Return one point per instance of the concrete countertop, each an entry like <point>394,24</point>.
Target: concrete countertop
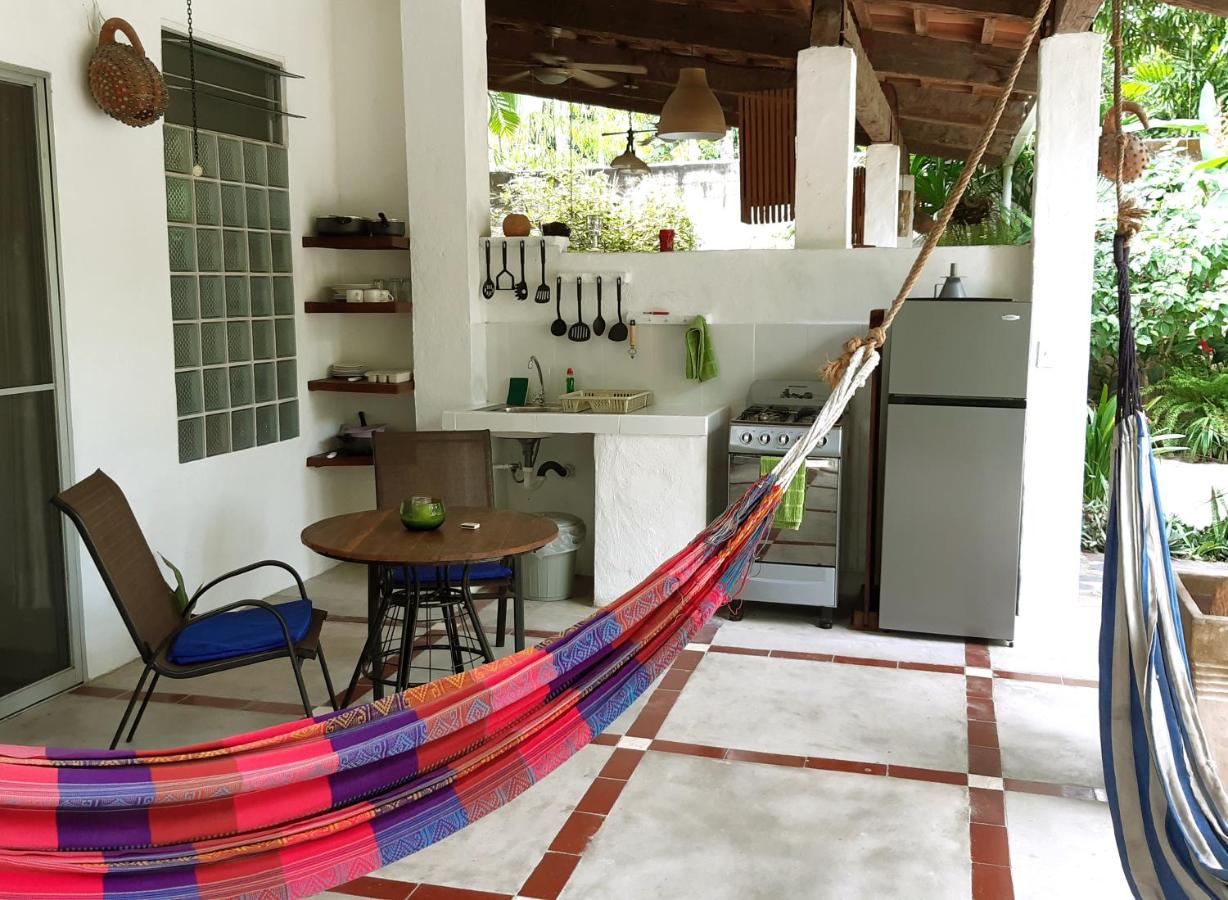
<point>676,419</point>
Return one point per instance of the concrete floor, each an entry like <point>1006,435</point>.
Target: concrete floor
<point>779,761</point>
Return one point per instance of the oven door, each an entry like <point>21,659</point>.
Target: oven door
<point>815,543</point>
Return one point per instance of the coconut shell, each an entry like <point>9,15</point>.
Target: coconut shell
<point>516,225</point>
<point>125,84</point>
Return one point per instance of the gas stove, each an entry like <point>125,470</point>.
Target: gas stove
<point>781,412</point>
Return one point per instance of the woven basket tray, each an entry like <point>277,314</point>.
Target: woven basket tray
<point>605,401</point>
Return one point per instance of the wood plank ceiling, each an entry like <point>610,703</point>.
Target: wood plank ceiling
<point>938,64</point>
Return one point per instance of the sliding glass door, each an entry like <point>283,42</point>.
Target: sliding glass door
<point>37,623</point>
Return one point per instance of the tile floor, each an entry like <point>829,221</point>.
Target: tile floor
<point>774,760</point>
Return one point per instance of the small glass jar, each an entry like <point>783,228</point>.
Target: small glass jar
<point>422,513</point>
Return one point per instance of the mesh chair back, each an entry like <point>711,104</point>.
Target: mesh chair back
<point>114,539</point>
<point>454,466</point>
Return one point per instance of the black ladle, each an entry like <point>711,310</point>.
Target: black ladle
<point>599,322</point>
<point>511,279</point>
<point>558,327</point>
<point>618,331</point>
<point>488,286</point>
<point>522,286</point>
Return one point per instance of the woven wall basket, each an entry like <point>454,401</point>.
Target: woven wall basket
<point>1136,155</point>
<point>126,85</point>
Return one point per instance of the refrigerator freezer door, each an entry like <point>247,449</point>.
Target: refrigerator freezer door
<point>951,505</point>
<point>960,348</point>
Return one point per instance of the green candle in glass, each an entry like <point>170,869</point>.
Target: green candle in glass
<point>422,513</point>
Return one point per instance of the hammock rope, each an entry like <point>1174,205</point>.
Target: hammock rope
<point>298,808</point>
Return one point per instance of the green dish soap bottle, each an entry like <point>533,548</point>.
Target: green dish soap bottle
<point>571,380</point>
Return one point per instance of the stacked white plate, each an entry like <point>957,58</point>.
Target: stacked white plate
<point>348,370</point>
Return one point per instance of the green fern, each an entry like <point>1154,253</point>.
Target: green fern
<point>1196,407</point>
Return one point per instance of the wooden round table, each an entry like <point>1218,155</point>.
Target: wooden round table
<point>377,539</point>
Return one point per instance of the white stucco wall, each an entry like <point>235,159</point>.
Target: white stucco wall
<point>1186,488</point>
<point>218,513</point>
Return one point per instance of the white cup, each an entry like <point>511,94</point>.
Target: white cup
<point>354,295</point>
<point>377,295</point>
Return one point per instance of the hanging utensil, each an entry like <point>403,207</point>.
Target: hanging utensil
<point>522,287</point>
<point>488,286</point>
<point>558,327</point>
<point>599,322</point>
<point>543,289</point>
<point>618,331</point>
<point>511,279</point>
<point>579,332</point>
<point>631,348</point>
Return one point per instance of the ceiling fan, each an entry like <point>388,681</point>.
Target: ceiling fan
<point>555,68</point>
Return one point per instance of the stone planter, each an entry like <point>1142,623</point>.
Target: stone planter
<point>1206,641</point>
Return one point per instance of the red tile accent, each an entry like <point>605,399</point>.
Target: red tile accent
<point>982,734</point>
<point>739,651</point>
<point>861,661</point>
<point>987,807</point>
<point>551,874</point>
<point>170,697</point>
<point>771,759</point>
<point>98,690</point>
<point>688,659</point>
<point>845,765</point>
<point>1080,682</point>
<point>985,761</point>
<point>976,656</point>
<point>216,702</point>
<point>937,775</point>
<point>1027,676</point>
<point>605,739</point>
<point>989,844</point>
<point>808,657</point>
<point>621,764</point>
<point>377,888</point>
<point>347,620</point>
<point>675,679</point>
<point>992,882</point>
<point>933,667</point>
<point>1032,787</point>
<point>600,796</point>
<point>270,706</point>
<point>444,892</point>
<point>1078,792</point>
<point>649,721</point>
<point>688,749</point>
<point>980,709</point>
<point>576,832</point>
<point>979,687</point>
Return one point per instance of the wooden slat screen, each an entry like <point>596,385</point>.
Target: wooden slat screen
<point>767,160</point>
<point>859,206</point>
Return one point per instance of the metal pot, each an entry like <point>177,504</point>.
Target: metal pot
<point>358,439</point>
<point>385,225</point>
<point>334,225</point>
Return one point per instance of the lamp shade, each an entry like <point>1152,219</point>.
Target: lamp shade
<point>692,111</point>
<point>627,161</point>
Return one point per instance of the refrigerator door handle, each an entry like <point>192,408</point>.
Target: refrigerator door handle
<point>1010,318</point>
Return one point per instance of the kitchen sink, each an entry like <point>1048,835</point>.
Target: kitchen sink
<point>523,409</point>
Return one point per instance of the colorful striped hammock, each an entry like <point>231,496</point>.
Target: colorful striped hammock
<point>298,808</point>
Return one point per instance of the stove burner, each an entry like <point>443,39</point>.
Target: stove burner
<point>778,415</point>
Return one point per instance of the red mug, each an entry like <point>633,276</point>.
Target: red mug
<point>666,238</point>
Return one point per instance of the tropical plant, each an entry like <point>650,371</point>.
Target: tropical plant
<point>1194,405</point>
<point>997,230</point>
<point>1095,525</point>
<point>1209,543</point>
<point>610,214</point>
<point>1098,447</point>
<point>504,116</point>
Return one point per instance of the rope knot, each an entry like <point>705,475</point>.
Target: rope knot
<point>833,370</point>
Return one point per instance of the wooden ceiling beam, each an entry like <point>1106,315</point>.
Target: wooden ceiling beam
<point>945,151</point>
<point>666,22</point>
<point>647,100</point>
<point>933,59</point>
<point>1009,9</point>
<point>874,112</point>
<point>952,108</point>
<point>514,45</point>
<point>961,137</point>
<point>1075,15</point>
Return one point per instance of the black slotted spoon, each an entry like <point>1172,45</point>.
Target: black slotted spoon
<point>522,286</point>
<point>558,327</point>
<point>543,289</point>
<point>579,332</point>
<point>488,286</point>
<point>599,322</point>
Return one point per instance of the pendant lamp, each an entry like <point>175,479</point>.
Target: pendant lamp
<point>627,161</point>
<point>692,111</point>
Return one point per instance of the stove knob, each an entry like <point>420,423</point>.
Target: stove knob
<point>765,439</point>
<point>822,442</point>
<point>783,439</point>
<point>745,438</point>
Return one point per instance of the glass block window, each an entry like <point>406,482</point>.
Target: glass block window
<point>232,293</point>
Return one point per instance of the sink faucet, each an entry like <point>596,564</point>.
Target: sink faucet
<point>538,399</point>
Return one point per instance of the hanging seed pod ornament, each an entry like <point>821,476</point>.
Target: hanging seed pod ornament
<point>126,85</point>
<point>1136,156</point>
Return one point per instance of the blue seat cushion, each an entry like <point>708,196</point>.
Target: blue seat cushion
<point>240,633</point>
<point>483,571</point>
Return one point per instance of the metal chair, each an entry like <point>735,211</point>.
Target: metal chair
<point>114,539</point>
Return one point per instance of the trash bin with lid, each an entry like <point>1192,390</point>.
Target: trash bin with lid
<point>547,573</point>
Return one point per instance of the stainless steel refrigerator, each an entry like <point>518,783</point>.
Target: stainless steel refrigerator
<point>956,386</point>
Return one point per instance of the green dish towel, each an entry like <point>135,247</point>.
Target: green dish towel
<point>700,356</point>
<point>793,503</point>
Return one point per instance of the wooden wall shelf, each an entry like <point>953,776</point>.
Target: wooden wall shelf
<point>322,461</point>
<point>360,387</point>
<point>357,242</point>
<point>322,306</point>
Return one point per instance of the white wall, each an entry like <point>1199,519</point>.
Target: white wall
<point>775,314</point>
<point>218,513</point>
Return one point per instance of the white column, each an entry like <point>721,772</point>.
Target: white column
<point>444,51</point>
<point>826,119</point>
<point>1064,216</point>
<point>882,195</point>
<point>908,195</point>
